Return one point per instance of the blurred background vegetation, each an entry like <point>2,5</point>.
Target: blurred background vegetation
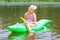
<point>12,10</point>
<point>10,13</point>
<point>29,0</point>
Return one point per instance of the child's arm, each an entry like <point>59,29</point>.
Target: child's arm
<point>25,18</point>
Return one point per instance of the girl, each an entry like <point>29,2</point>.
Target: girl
<point>30,17</point>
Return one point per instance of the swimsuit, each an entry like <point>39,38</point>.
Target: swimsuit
<point>30,18</point>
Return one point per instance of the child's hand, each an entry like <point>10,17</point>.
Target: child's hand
<point>26,22</point>
<point>32,24</point>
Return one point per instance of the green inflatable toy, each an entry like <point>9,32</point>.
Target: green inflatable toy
<point>20,27</point>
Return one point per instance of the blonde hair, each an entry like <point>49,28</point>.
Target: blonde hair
<point>33,6</point>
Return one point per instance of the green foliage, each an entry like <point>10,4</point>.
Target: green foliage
<point>29,0</point>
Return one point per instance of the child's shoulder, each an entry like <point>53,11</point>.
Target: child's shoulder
<point>34,13</point>
<point>26,13</point>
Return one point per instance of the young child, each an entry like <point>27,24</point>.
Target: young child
<point>30,17</point>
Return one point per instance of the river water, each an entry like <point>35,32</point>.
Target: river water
<point>11,13</point>
<point>45,35</point>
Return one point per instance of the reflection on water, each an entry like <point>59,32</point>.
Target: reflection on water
<point>45,35</point>
<point>17,36</point>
